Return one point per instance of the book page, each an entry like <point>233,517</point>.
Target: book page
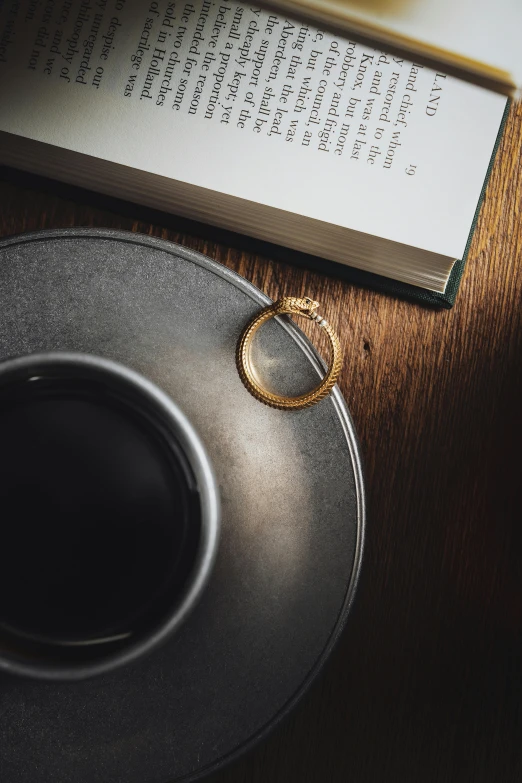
<point>478,35</point>
<point>241,101</point>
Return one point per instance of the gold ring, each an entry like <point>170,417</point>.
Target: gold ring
<point>292,305</point>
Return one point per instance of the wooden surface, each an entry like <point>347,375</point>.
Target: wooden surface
<point>426,683</point>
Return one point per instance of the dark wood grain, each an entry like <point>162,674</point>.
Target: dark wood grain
<point>425,685</point>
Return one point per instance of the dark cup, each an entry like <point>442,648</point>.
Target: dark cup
<point>109,516</point>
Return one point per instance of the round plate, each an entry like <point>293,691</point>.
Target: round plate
<point>292,498</point>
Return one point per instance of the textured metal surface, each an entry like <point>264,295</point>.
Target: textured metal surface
<point>292,512</point>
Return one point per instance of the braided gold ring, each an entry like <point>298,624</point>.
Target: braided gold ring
<point>294,306</point>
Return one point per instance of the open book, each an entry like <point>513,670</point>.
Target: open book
<point>231,115</point>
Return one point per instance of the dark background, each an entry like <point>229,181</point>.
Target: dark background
<point>426,683</point>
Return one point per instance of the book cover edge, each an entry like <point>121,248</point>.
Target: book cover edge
<point>444,300</point>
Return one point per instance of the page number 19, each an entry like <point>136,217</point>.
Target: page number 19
<point>411,170</point>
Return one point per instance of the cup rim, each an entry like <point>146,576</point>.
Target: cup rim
<point>97,367</point>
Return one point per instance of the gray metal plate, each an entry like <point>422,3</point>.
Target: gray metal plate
<point>293,512</point>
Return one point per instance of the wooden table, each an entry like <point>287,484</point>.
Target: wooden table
<point>426,683</point>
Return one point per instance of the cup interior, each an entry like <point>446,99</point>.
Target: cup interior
<point>106,537</point>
